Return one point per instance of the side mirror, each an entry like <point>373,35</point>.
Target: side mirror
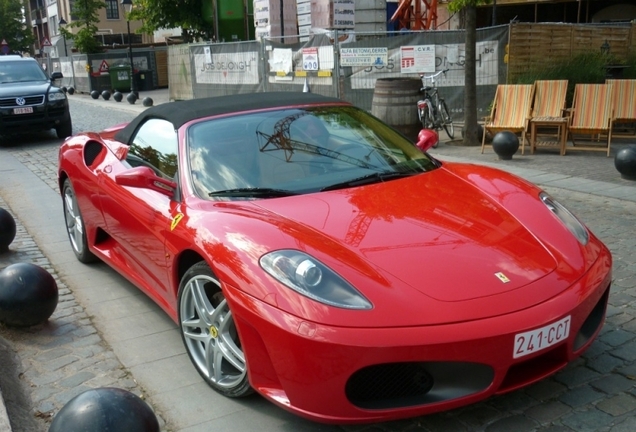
<point>56,76</point>
<point>145,178</point>
<point>427,139</point>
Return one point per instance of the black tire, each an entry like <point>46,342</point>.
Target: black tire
<point>209,333</point>
<point>425,117</point>
<point>75,225</point>
<point>64,130</point>
<point>447,121</point>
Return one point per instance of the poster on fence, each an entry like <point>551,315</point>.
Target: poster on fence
<point>363,56</point>
<point>417,58</point>
<point>447,56</point>
<point>226,68</point>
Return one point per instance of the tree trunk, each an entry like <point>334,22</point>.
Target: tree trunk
<point>471,137</point>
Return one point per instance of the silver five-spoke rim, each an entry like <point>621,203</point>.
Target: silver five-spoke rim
<point>210,334</point>
<point>74,224</point>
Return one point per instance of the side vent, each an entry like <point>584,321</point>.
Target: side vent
<point>92,149</point>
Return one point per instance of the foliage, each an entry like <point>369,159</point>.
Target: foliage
<point>630,71</point>
<point>12,26</point>
<point>586,68</point>
<point>193,16</point>
<point>457,5</point>
<point>86,20</point>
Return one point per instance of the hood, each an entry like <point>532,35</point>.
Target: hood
<point>21,89</point>
<point>435,232</point>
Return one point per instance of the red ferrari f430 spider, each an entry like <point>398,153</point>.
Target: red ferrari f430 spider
<point>313,254</point>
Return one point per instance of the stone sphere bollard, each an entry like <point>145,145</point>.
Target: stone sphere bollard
<point>147,102</point>
<point>28,295</point>
<point>71,90</point>
<point>95,94</point>
<point>625,162</point>
<point>105,409</point>
<point>118,96</point>
<point>7,230</point>
<point>505,144</point>
<point>106,95</point>
<point>64,89</point>
<point>131,98</point>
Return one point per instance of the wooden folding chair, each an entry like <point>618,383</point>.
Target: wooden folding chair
<point>591,114</point>
<point>510,111</point>
<point>624,101</point>
<point>548,112</point>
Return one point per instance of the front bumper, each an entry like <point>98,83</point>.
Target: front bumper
<point>352,375</point>
<point>43,117</point>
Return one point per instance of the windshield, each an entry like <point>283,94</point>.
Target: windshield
<point>21,71</point>
<point>292,151</point>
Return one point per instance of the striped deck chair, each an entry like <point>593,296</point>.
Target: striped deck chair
<point>548,111</point>
<point>624,100</point>
<point>510,111</point>
<point>592,115</point>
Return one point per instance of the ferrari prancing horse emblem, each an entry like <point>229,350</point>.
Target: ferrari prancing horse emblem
<point>214,332</point>
<point>502,277</point>
<point>175,221</point>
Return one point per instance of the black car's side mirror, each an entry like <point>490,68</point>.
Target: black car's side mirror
<point>56,76</point>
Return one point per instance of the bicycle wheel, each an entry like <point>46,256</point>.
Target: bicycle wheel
<point>447,121</point>
<point>425,116</point>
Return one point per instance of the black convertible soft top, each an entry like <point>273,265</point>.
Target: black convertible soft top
<point>181,112</point>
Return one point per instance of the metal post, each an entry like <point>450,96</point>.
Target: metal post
<point>133,89</point>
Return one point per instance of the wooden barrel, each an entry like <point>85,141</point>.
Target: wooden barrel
<point>395,102</point>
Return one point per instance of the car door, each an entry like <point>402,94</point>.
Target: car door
<point>138,218</point>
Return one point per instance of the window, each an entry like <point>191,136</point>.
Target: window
<point>112,9</point>
<point>155,146</point>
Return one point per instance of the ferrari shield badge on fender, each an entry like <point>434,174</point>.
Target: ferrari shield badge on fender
<point>175,221</point>
<point>502,277</point>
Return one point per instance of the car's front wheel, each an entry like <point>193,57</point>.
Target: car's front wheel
<point>209,332</point>
<point>64,130</point>
<point>75,224</point>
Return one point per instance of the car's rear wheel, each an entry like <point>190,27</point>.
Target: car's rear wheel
<point>75,224</point>
<point>64,130</point>
<point>209,332</point>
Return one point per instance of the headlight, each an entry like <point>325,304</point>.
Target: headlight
<point>311,278</point>
<point>53,96</point>
<point>568,219</point>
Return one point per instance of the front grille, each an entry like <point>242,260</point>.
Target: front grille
<point>380,383</point>
<point>397,385</point>
<point>29,101</point>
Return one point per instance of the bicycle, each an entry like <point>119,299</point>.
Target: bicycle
<point>432,110</point>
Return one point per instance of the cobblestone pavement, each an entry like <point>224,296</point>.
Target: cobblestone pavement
<point>60,359</point>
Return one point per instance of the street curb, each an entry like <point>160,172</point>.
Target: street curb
<point>5,425</point>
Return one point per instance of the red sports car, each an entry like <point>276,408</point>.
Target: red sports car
<point>313,254</point>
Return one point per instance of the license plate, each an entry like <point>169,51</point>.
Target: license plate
<point>25,110</point>
<point>536,340</point>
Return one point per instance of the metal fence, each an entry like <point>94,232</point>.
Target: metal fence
<point>338,64</point>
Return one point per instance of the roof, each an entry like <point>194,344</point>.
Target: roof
<point>181,112</point>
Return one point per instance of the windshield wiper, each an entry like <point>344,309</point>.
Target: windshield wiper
<point>252,193</point>
<point>369,179</point>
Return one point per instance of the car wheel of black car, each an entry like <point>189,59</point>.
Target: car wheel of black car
<point>64,130</point>
<point>75,225</point>
<point>209,332</point>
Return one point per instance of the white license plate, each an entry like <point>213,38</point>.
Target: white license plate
<point>25,110</point>
<point>536,340</point>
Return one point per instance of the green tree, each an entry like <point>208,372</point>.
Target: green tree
<point>86,14</point>
<point>12,26</point>
<point>469,7</point>
<point>195,17</point>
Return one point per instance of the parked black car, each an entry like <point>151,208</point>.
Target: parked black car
<point>29,100</point>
